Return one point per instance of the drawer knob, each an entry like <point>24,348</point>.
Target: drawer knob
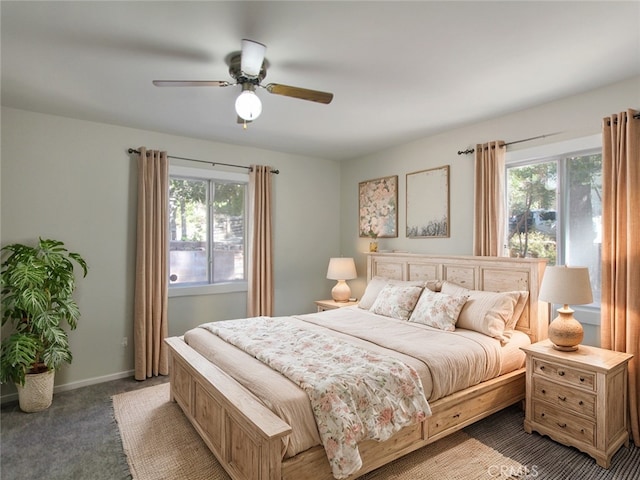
<point>542,414</point>
<point>581,403</point>
<point>561,398</point>
<point>544,391</point>
<point>456,415</point>
<point>542,367</point>
<point>561,373</point>
<point>582,379</point>
<point>562,425</point>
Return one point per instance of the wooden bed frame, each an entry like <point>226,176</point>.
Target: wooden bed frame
<point>245,436</point>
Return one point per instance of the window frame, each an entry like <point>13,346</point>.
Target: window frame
<point>553,152</point>
<point>221,287</point>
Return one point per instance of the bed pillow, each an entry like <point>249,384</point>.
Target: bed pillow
<point>397,301</point>
<point>371,292</point>
<point>434,285</point>
<point>517,313</point>
<point>438,310</point>
<point>375,286</point>
<point>484,312</point>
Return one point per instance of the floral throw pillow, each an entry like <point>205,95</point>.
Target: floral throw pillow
<point>397,301</point>
<point>438,310</point>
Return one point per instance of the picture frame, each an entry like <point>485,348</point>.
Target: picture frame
<point>378,207</point>
<point>428,203</point>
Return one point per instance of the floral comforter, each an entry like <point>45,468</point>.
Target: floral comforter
<point>355,394</point>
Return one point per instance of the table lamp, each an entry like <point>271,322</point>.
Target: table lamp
<point>341,269</point>
<point>566,286</point>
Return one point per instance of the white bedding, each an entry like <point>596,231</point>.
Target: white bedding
<point>445,361</point>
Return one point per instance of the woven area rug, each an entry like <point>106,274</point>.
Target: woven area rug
<point>160,443</point>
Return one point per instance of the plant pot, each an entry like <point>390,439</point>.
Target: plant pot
<point>37,393</point>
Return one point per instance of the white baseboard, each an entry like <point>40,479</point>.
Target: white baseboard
<point>74,385</point>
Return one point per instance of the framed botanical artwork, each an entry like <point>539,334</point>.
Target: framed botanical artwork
<point>378,207</point>
<point>428,203</point>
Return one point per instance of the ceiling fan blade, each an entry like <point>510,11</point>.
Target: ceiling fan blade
<point>252,57</point>
<point>191,83</point>
<point>302,93</point>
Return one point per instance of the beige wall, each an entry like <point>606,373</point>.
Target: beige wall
<point>577,116</point>
<point>74,181</point>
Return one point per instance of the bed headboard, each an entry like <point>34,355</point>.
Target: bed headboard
<point>494,274</point>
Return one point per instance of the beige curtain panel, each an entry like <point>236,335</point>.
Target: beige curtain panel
<point>151,288</point>
<point>489,206</point>
<point>620,322</point>
<point>260,288</point>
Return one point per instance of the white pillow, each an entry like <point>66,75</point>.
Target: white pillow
<point>517,313</point>
<point>438,310</point>
<point>375,286</point>
<point>484,312</point>
<point>371,292</point>
<point>397,301</point>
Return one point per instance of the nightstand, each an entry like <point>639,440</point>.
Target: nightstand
<point>578,398</point>
<point>332,304</point>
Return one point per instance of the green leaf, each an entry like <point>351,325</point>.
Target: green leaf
<point>34,301</point>
<point>19,352</point>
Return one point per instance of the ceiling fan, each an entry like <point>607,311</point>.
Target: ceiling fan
<point>249,68</point>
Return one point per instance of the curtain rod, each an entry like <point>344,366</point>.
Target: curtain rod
<point>471,150</point>
<point>213,164</point>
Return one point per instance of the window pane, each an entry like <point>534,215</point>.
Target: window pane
<point>228,232</point>
<point>584,216</point>
<point>531,193</point>
<point>188,254</point>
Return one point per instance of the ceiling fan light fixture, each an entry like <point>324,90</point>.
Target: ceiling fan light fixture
<point>248,105</point>
<point>252,57</point>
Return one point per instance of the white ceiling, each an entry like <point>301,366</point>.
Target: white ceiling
<point>399,70</point>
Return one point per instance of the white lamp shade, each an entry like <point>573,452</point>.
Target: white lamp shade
<point>252,57</point>
<point>248,105</point>
<point>341,268</point>
<point>566,286</point>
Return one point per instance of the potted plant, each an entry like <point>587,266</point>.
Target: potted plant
<point>37,289</point>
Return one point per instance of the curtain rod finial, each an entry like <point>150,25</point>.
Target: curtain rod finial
<point>466,152</point>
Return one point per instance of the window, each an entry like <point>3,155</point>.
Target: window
<point>555,210</point>
<point>207,228</point>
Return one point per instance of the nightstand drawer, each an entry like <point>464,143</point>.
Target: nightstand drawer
<point>568,375</point>
<point>554,419</point>
<point>565,397</point>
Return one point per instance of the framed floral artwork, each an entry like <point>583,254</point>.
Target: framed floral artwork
<point>378,207</point>
<point>428,203</point>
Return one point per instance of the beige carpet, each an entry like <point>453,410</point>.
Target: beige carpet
<point>160,443</point>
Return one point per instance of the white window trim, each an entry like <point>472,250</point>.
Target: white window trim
<point>217,288</point>
<point>553,149</point>
<point>214,289</point>
<point>193,172</point>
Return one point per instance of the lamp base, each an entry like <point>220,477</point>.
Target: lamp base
<point>341,292</point>
<point>565,349</point>
<point>565,332</point>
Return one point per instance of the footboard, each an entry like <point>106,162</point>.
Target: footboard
<point>243,434</point>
